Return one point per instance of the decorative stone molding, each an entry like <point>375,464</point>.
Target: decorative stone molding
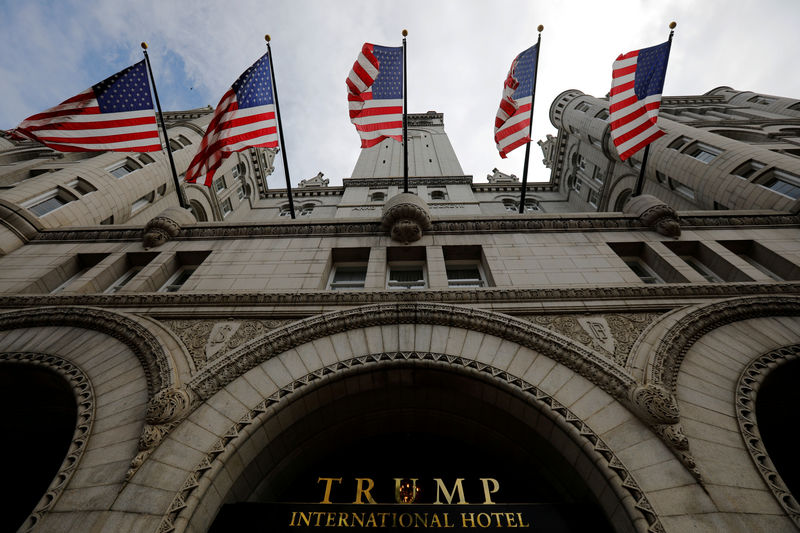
<point>676,342</point>
<point>597,369</point>
<point>145,346</point>
<point>207,340</point>
<point>747,387</point>
<point>166,226</point>
<point>486,224</point>
<point>644,293</point>
<point>654,214</point>
<point>613,334</point>
<point>406,216</point>
<point>412,181</point>
<point>655,404</point>
<point>84,399</point>
<point>605,457</point>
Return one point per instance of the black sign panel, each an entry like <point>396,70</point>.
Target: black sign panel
<point>302,517</point>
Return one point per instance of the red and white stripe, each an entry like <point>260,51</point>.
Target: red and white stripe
<point>77,125</point>
<point>232,130</point>
<point>375,120</point>
<point>633,121</point>
<point>513,120</point>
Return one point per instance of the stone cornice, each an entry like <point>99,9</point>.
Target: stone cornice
<point>412,181</point>
<point>488,296</point>
<point>487,224</point>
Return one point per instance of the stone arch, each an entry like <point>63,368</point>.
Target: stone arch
<point>195,503</point>
<point>750,381</point>
<point>679,330</point>
<point>85,403</point>
<point>620,187</point>
<point>157,365</point>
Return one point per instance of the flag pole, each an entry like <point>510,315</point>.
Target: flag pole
<point>178,190</point>
<point>530,125</point>
<point>640,180</point>
<point>280,128</point>
<point>405,117</point>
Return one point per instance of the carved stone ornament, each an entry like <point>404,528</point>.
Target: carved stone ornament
<point>655,404</point>
<point>654,214</point>
<point>406,216</point>
<point>166,226</point>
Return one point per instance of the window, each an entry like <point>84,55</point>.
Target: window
<point>575,184</point>
<point>123,169</point>
<point>306,210</point>
<point>762,100</point>
<point>240,193</point>
<point>464,266</point>
<point>174,145</point>
<point>48,205</point>
<point>226,207</point>
<point>681,189</point>
<point>438,195</point>
<point>661,177</point>
<point>142,202</point>
<point>108,221</point>
<point>183,140</point>
<point>178,279</point>
<point>82,186</point>
<point>594,197</point>
<point>377,196</point>
<point>641,269</point>
<point>81,265</point>
<point>219,184</point>
<point>406,267</point>
<point>764,260</point>
<point>703,260</point>
<point>531,205</point>
<point>582,106</point>
<point>580,162</point>
<point>598,175</point>
<point>348,277</point>
<point>146,159</point>
<point>464,276</point>
<point>406,277</point>
<point>748,169</point>
<point>510,205</point>
<point>679,143</point>
<point>703,152</point>
<point>782,183</point>
<point>701,269</point>
<point>285,211</point>
<point>594,141</point>
<point>124,279</point>
<point>602,114</point>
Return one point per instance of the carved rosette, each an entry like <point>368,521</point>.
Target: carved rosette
<point>166,226</point>
<point>406,216</point>
<point>655,214</point>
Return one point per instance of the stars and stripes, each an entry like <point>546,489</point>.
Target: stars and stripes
<point>115,114</point>
<point>375,94</point>
<point>636,86</point>
<point>512,124</point>
<point>244,118</point>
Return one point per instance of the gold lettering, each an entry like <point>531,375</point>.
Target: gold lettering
<point>487,493</point>
<point>371,521</point>
<point>328,482</point>
<point>521,521</point>
<point>420,518</point>
<point>435,521</point>
<point>360,491</point>
<point>343,519</point>
<point>488,520</point>
<point>383,518</point>
<point>410,520</point>
<point>319,517</point>
<point>447,520</point>
<point>358,519</point>
<point>293,515</point>
<point>497,518</point>
<point>510,520</point>
<point>449,495</point>
<point>331,520</point>
<point>464,520</point>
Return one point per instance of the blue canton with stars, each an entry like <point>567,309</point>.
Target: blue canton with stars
<point>651,67</point>
<point>525,72</point>
<point>389,83</point>
<point>127,90</point>
<point>254,87</point>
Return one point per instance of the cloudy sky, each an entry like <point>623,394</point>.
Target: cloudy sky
<point>459,52</point>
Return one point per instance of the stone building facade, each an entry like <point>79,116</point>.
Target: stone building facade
<point>607,365</point>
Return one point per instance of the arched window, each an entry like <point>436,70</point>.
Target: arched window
<point>306,210</point>
<point>510,205</point>
<point>285,212</point>
<point>438,195</point>
<point>377,197</point>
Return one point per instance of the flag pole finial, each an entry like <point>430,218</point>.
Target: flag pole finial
<point>540,28</point>
<point>144,45</point>
<point>672,25</point>
<point>405,33</point>
<point>267,37</point>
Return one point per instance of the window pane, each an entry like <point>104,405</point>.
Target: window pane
<point>51,204</point>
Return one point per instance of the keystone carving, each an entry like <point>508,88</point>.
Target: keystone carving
<point>654,214</point>
<point>406,216</point>
<point>655,404</point>
<point>166,226</point>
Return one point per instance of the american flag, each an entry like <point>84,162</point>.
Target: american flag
<point>512,124</point>
<point>375,94</point>
<point>116,114</point>
<point>636,86</point>
<point>244,118</point>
